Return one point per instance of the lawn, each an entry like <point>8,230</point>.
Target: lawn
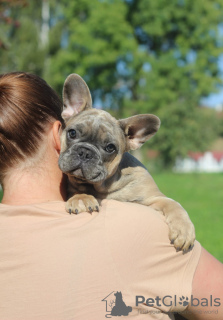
<point>202,196</point>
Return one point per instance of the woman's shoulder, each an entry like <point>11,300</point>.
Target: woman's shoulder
<point>133,215</point>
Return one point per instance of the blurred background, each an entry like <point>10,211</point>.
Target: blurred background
<point>139,56</point>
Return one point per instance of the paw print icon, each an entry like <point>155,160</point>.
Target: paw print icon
<point>184,301</point>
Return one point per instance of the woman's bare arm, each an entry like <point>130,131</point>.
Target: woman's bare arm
<point>207,282</point>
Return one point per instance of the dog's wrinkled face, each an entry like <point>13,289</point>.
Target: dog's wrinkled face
<point>93,142</point>
<point>92,146</point>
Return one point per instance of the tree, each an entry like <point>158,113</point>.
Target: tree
<point>180,45</point>
<point>96,38</point>
<point>25,30</point>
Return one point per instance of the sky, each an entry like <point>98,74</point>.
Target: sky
<point>215,99</point>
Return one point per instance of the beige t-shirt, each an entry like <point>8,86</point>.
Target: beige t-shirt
<point>56,266</point>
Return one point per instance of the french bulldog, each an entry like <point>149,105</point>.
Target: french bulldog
<point>94,155</point>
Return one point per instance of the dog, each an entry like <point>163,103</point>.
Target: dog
<point>94,155</point>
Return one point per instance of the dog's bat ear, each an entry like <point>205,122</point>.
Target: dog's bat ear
<point>138,129</point>
<point>76,96</point>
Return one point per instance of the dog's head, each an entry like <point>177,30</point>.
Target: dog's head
<point>93,142</point>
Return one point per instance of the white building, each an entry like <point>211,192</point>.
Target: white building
<point>200,162</point>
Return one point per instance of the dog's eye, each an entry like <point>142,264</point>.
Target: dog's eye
<point>110,148</point>
<point>72,134</point>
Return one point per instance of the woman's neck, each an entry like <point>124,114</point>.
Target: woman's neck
<point>34,186</point>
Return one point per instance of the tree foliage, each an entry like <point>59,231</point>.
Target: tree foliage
<point>137,56</point>
<point>181,43</point>
<point>98,38</point>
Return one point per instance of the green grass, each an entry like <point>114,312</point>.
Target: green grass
<point>202,196</point>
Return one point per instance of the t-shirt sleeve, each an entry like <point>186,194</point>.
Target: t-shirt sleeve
<point>144,258</point>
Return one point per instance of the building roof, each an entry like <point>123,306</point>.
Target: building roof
<point>218,155</point>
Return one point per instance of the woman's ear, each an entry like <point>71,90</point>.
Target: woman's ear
<point>56,135</point>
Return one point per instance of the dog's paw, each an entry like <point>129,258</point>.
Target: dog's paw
<point>181,233</point>
<point>82,203</point>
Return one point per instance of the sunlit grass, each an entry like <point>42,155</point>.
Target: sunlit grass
<point>202,196</point>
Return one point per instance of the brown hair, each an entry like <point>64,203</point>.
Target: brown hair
<point>27,105</point>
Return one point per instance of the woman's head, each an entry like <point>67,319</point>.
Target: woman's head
<point>27,107</point>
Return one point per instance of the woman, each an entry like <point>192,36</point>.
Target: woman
<point>60,266</point>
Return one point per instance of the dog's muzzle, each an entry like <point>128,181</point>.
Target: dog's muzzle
<point>84,162</point>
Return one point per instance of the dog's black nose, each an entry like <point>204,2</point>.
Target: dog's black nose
<point>84,153</point>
